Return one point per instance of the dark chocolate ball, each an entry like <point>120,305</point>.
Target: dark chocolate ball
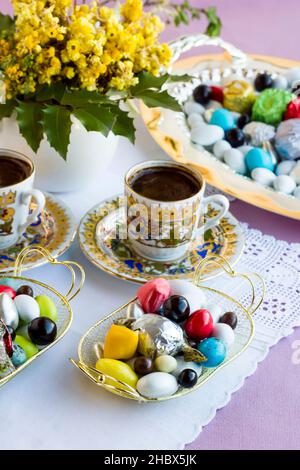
<point>42,331</point>
<point>11,332</point>
<point>187,378</point>
<point>235,137</point>
<point>243,120</point>
<point>230,318</point>
<point>176,308</point>
<point>25,290</point>
<point>263,81</point>
<point>202,94</point>
<point>143,365</point>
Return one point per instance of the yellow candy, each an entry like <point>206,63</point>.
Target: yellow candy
<point>120,343</point>
<point>239,96</point>
<point>118,370</point>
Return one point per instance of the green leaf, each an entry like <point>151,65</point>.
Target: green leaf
<point>124,125</point>
<point>51,92</point>
<point>6,24</point>
<point>7,108</point>
<point>29,115</point>
<point>57,127</point>
<point>148,81</point>
<point>95,118</point>
<point>82,97</point>
<point>153,99</point>
<point>214,22</point>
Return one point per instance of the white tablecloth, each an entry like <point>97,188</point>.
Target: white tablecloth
<point>50,405</point>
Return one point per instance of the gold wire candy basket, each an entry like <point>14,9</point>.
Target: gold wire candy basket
<point>90,345</point>
<point>62,302</point>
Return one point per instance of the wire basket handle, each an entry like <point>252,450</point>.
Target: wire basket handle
<point>186,43</point>
<point>257,283</point>
<point>76,285</point>
<point>101,379</point>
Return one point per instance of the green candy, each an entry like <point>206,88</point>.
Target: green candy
<point>47,307</point>
<point>270,106</point>
<point>29,348</point>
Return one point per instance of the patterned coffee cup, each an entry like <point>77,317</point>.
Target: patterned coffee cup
<point>15,201</point>
<point>163,231</point>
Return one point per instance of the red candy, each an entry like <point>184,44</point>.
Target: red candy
<point>153,294</point>
<point>199,325</point>
<point>217,94</point>
<point>293,110</point>
<point>8,344</point>
<point>8,290</point>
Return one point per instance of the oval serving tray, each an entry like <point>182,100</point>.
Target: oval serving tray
<point>170,131</point>
<point>90,345</point>
<point>62,302</point>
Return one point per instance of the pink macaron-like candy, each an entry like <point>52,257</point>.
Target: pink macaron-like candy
<point>153,294</point>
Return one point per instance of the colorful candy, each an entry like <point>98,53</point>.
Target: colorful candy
<point>8,311</point>
<point>157,385</point>
<point>187,378</point>
<point>118,370</point>
<point>214,350</point>
<point>199,325</point>
<point>239,96</point>
<point>42,331</point>
<point>153,294</point>
<point>29,348</point>
<point>271,105</point>
<point>27,307</point>
<point>8,290</point>
<point>19,356</point>
<point>176,308</point>
<point>165,363</point>
<point>120,343</point>
<point>47,307</point>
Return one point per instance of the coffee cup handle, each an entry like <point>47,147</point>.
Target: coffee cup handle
<point>221,201</point>
<point>40,201</point>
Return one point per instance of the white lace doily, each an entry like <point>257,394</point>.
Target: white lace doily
<point>66,411</point>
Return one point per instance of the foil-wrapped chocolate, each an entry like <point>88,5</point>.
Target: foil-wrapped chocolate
<point>239,96</point>
<point>159,336</point>
<point>287,139</point>
<point>259,132</point>
<point>271,105</point>
<point>6,366</point>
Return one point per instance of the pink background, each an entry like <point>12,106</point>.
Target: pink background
<point>265,413</point>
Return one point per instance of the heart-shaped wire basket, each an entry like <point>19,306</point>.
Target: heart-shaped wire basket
<point>62,302</point>
<point>90,345</point>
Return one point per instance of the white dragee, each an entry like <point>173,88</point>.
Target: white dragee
<point>52,406</point>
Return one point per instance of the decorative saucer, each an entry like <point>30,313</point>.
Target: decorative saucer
<point>115,256</point>
<point>55,229</point>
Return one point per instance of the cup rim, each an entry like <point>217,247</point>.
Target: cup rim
<point>20,156</point>
<point>153,163</point>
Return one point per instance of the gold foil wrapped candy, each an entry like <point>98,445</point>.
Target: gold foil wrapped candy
<point>239,96</point>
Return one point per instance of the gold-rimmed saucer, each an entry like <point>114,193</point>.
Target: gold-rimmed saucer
<point>55,230</point>
<point>115,256</point>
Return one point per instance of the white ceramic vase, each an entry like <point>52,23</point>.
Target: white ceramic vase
<point>88,156</point>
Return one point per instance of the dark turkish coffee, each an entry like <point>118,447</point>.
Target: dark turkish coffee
<point>13,170</point>
<point>165,184</point>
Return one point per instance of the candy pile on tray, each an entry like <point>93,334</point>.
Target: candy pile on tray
<point>27,324</point>
<point>166,340</point>
<point>252,127</point>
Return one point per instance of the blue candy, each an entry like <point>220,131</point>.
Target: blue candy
<point>223,118</point>
<point>6,281</point>
<point>19,356</point>
<point>259,158</point>
<point>214,350</point>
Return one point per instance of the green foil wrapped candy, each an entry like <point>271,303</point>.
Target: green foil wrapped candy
<point>270,106</point>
